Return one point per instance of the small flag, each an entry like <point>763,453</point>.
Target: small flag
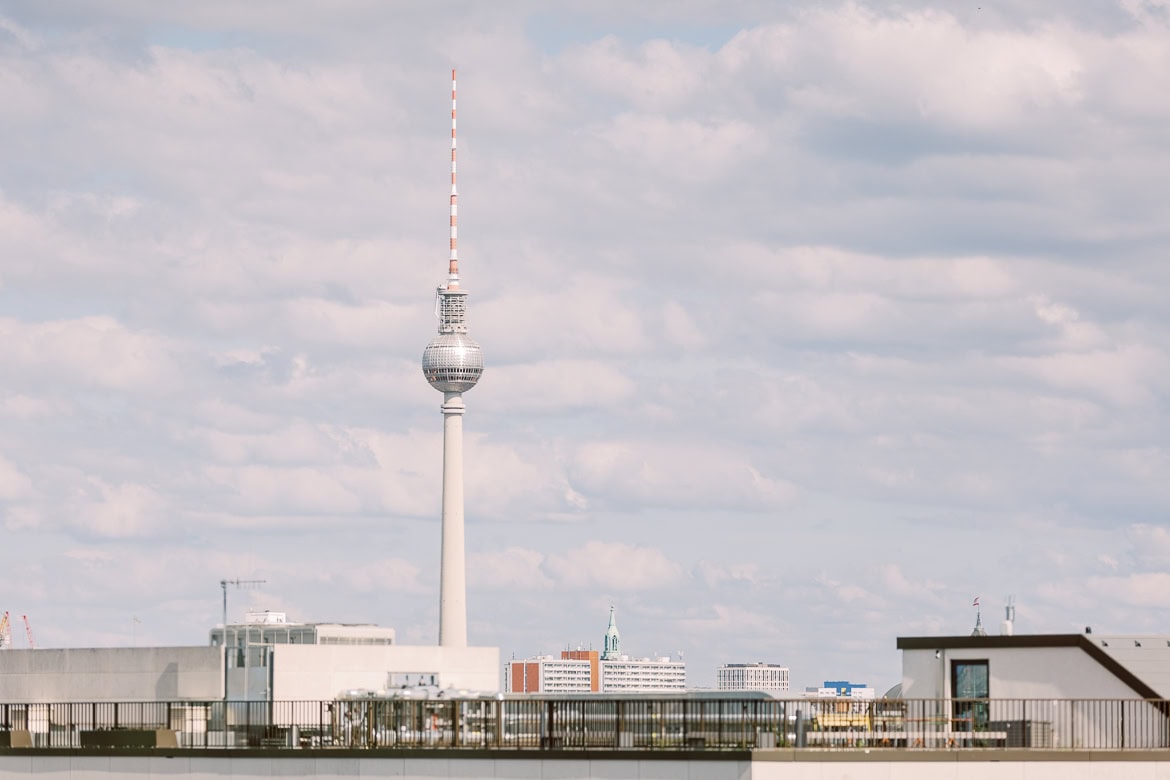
<point>975,603</point>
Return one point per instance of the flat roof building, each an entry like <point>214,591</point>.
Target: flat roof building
<point>752,677</point>
<point>643,675</point>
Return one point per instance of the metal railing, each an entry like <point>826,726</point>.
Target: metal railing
<point>595,723</point>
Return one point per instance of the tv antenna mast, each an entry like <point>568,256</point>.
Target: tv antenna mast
<point>223,584</point>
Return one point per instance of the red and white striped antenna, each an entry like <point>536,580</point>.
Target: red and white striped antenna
<point>453,269</point>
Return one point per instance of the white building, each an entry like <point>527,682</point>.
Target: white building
<point>643,675</point>
<point>1048,666</point>
<point>1044,689</point>
<point>266,659</point>
<point>752,677</point>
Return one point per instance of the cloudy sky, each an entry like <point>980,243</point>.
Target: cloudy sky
<point>805,323</point>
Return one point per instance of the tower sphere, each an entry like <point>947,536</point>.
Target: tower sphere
<point>452,362</point>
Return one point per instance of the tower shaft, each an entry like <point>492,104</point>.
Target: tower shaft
<point>453,577</point>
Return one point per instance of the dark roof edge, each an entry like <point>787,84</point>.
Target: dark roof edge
<point>959,642</point>
<point>1033,640</point>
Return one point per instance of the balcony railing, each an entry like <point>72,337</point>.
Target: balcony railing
<point>594,723</point>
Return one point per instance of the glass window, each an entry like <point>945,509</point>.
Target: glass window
<point>970,689</point>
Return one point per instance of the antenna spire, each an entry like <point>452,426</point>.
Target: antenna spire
<point>453,268</point>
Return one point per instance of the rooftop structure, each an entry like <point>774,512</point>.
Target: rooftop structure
<point>452,363</point>
<point>273,628</point>
<point>1073,666</point>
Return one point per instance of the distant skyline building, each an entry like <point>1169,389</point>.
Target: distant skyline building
<point>753,677</point>
<point>588,671</point>
<point>836,689</point>
<point>452,363</point>
<point>593,658</point>
<point>546,674</point>
<point>643,675</point>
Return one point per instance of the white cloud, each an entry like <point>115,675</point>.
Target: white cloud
<point>14,484</point>
<point>118,511</point>
<point>656,74</point>
<point>680,328</point>
<point>514,567</point>
<point>654,474</point>
<point>1144,589</point>
<point>1128,375</point>
<point>26,407</point>
<point>714,576</point>
<point>606,566</point>
<point>894,579</point>
<point>554,386</point>
<point>732,619</point>
<point>90,351</point>
<point>688,150</point>
<point>388,577</point>
<point>614,565</point>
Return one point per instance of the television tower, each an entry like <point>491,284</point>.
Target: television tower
<point>452,363</point>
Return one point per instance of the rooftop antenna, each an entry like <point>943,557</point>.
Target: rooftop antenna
<point>453,265</point>
<point>223,584</point>
<point>1009,617</point>
<point>239,583</point>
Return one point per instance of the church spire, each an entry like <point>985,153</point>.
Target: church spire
<point>612,649</point>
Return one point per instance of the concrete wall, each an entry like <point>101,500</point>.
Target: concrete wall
<point>961,766</point>
<point>112,674</point>
<point>823,766</point>
<point>316,672</point>
<point>199,768</point>
<point>299,672</point>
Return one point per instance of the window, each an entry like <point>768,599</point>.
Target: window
<point>970,689</point>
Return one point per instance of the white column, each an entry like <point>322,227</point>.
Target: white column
<point>453,573</point>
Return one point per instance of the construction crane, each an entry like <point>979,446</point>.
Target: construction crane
<point>5,633</point>
<point>28,632</point>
